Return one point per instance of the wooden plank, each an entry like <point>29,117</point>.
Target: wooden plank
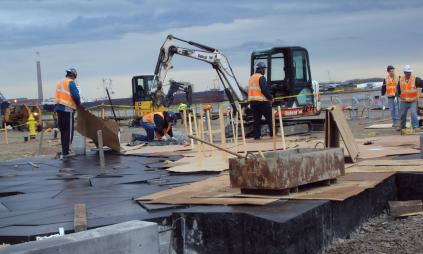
<point>392,169</point>
<point>281,128</point>
<point>88,124</point>
<point>417,162</point>
<point>345,132</point>
<point>241,118</point>
<point>400,208</point>
<point>274,130</point>
<point>80,218</point>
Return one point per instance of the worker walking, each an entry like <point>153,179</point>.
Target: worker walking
<point>260,99</point>
<point>389,88</point>
<point>408,93</point>
<point>67,100</point>
<point>157,124</point>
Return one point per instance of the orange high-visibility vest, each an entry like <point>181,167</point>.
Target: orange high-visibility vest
<point>150,118</point>
<point>254,91</point>
<point>409,91</point>
<point>391,85</point>
<point>63,94</point>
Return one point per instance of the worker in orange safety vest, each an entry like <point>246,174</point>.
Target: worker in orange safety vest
<point>389,89</point>
<point>409,95</point>
<point>260,100</point>
<point>156,124</point>
<point>67,100</point>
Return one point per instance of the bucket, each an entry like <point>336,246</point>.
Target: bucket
<point>79,144</point>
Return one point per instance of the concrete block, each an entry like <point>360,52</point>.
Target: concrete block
<point>123,238</point>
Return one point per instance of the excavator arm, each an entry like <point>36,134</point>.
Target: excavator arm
<point>200,52</point>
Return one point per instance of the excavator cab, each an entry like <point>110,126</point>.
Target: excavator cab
<point>289,78</point>
<point>142,87</point>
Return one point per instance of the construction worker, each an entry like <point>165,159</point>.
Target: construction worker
<point>67,100</point>
<point>157,124</point>
<point>260,99</point>
<point>207,108</point>
<point>408,93</point>
<point>389,88</point>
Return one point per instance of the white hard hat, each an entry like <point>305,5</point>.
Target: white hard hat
<point>408,68</point>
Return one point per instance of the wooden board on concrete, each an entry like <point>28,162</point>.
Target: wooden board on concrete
<point>217,190</point>
<point>384,126</point>
<point>392,169</point>
<point>345,132</point>
<point>207,163</point>
<point>88,125</point>
<point>391,163</point>
<point>186,194</point>
<point>401,208</point>
<point>80,218</point>
<point>375,151</point>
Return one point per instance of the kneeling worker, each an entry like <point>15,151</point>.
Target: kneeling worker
<point>157,124</point>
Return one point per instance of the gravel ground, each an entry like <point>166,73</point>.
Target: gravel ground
<point>383,235</point>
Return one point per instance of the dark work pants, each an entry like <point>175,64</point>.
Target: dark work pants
<point>65,123</point>
<point>261,109</point>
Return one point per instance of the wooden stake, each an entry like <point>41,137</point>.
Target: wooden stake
<point>222,126</point>
<point>40,146</point>
<point>236,128</point>
<point>190,129</point>
<point>100,148</point>
<point>103,113</point>
<point>281,128</point>
<point>6,138</point>
<point>242,129</point>
<point>80,218</point>
<point>184,117</point>
<point>273,130</point>
<point>209,128</point>
<point>231,118</point>
<point>201,121</point>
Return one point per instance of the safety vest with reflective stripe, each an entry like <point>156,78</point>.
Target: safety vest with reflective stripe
<point>63,94</point>
<point>150,119</point>
<point>409,91</point>
<point>391,85</point>
<point>254,91</point>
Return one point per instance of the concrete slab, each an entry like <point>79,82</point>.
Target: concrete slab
<point>128,237</point>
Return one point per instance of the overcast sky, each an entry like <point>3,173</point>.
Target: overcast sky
<point>119,39</point>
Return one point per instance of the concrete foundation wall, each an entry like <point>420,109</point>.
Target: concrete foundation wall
<point>126,238</point>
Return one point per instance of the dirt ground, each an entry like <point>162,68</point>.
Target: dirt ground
<point>383,235</point>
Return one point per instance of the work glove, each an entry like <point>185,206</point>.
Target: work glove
<point>173,139</point>
<point>164,138</point>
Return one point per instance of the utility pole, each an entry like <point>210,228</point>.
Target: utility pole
<point>40,83</point>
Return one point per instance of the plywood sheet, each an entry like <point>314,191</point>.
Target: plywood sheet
<point>384,126</point>
<point>88,125</point>
<point>214,162</point>
<point>391,163</point>
<point>376,151</point>
<point>186,194</point>
<point>345,131</point>
<point>392,169</point>
<point>217,190</point>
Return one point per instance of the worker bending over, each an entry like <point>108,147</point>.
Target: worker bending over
<point>67,100</point>
<point>260,100</point>
<point>389,88</point>
<point>157,124</point>
<point>408,93</point>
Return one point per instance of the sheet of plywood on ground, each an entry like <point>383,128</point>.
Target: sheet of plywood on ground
<point>212,163</point>
<point>391,169</point>
<point>374,151</point>
<point>185,194</point>
<point>88,125</point>
<point>349,185</point>
<point>216,190</point>
<point>345,132</point>
<point>417,162</point>
<point>158,149</point>
<point>384,126</point>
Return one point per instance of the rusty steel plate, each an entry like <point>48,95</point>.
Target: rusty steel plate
<point>286,169</point>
